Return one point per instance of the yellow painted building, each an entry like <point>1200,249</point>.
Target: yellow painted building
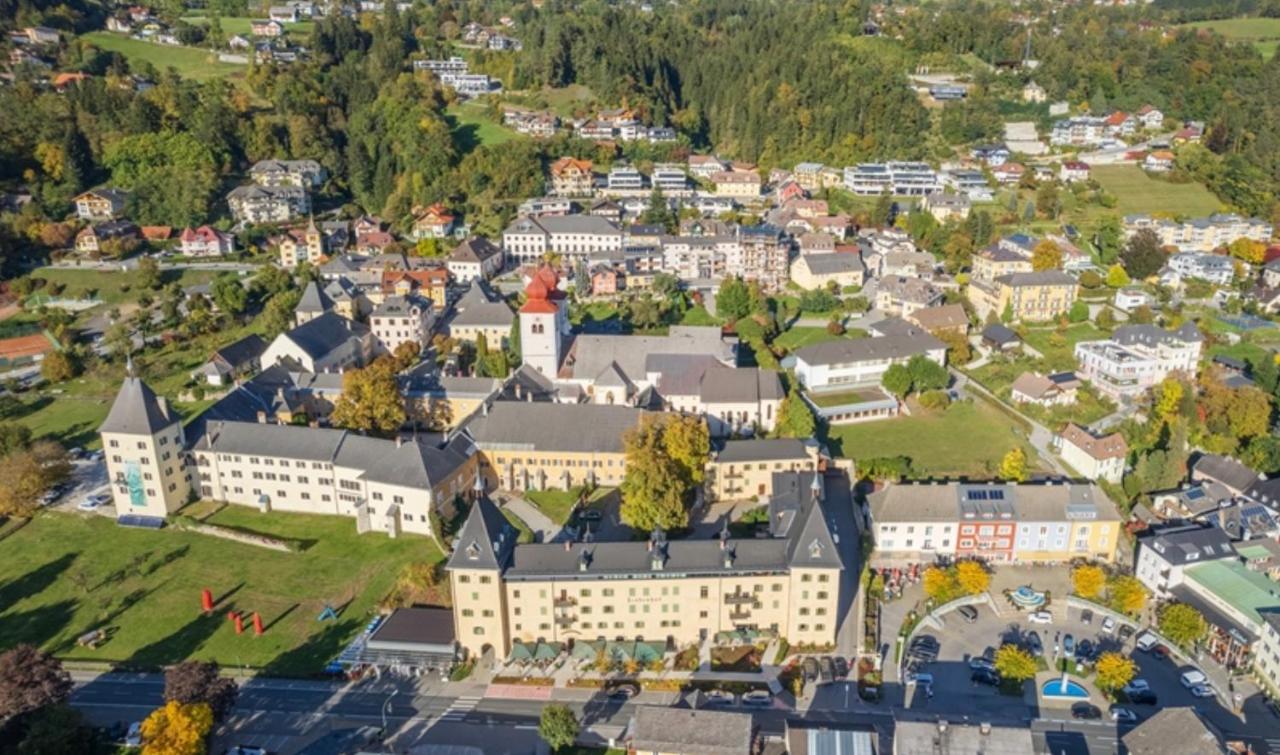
<point>1031,297</point>
<point>679,591</point>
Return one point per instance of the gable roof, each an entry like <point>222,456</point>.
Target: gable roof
<point>1098,447</point>
<point>694,732</point>
<point>864,349</point>
<point>475,249</point>
<point>548,426</point>
<point>1225,470</point>
<point>137,410</point>
<point>242,351</point>
<point>326,334</point>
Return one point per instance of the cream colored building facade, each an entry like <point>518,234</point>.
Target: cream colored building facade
<point>682,590</point>
<point>143,442</point>
<point>744,469</point>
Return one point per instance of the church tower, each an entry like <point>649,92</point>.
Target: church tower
<point>143,443</point>
<point>544,322</point>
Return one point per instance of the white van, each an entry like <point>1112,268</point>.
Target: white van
<point>1146,641</point>
<point>1193,677</point>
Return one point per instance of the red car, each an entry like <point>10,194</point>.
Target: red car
<point>1161,652</point>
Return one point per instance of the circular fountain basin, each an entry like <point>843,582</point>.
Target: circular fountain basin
<point>1027,598</point>
<point>1063,689</point>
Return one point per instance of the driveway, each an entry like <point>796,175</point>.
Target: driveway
<point>544,530</point>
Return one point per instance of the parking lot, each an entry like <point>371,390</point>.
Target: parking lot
<point>88,478</point>
<point>953,692</point>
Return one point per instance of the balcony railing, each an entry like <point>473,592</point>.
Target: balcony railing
<point>741,599</point>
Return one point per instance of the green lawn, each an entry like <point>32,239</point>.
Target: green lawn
<point>66,574</point>
<point>115,287</point>
<point>1059,347</point>
<point>1263,33</point>
<point>856,396</point>
<point>801,336</point>
<point>191,63</point>
<point>474,128</point>
<point>557,504</point>
<point>526,534</point>
<point>968,438</point>
<point>698,315</point>
<point>1138,192</point>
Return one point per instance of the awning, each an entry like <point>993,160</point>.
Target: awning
<point>520,652</point>
<point>547,651</point>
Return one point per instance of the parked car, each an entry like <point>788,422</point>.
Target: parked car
<point>720,697</point>
<point>827,668</point>
<point>1123,715</point>
<point>1135,686</point>
<point>1161,652</point>
<point>622,691</point>
<point>590,515</point>
<point>982,664</point>
<point>243,750</point>
<point>1146,641</point>
<point>757,697</point>
<point>1204,690</point>
<point>1193,677</point>
<point>1125,632</point>
<point>842,667</point>
<point>1068,644</point>
<point>809,667</point>
<point>1040,617</point>
<point>1108,625</point>
<point>1084,650</point>
<point>133,737</point>
<point>1034,645</point>
<point>1085,712</point>
<point>985,676</point>
<point>1086,616</point>
<point>968,613</point>
<point>93,502</point>
<point>53,494</point>
<point>1144,697</point>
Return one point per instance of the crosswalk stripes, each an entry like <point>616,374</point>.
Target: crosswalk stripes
<point>458,710</point>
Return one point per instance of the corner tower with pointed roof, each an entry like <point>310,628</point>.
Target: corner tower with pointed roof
<point>481,553</point>
<point>144,447</point>
<point>544,322</point>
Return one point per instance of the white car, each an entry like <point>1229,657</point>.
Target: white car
<point>757,697</point>
<point>1108,625</point>
<point>720,697</point>
<point>1041,617</point>
<point>1204,690</point>
<point>93,502</point>
<point>1193,677</point>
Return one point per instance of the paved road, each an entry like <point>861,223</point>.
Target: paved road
<point>544,530</point>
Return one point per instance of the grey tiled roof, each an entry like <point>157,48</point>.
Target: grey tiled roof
<point>486,539</point>
<point>761,449</point>
<point>834,263</point>
<point>326,334</point>
<point>136,411</point>
<point>553,427</point>
<point>1173,731</point>
<point>696,732</point>
<point>864,349</point>
<point>1225,470</point>
<point>313,300</point>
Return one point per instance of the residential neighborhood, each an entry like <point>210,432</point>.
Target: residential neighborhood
<point>639,377</point>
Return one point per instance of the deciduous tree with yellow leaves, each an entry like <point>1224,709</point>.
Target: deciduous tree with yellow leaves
<point>177,729</point>
<point>1114,671</point>
<point>1088,581</point>
<point>972,577</point>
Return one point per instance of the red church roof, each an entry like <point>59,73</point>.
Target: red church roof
<point>543,291</point>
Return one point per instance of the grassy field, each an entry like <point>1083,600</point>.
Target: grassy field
<point>1263,33</point>
<point>65,574</point>
<point>967,439</point>
<point>471,122</point>
<point>1059,347</point>
<point>117,287</point>
<point>190,62</point>
<point>1138,192</point>
<point>801,336</point>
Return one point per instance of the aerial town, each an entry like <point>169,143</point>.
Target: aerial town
<point>721,377</point>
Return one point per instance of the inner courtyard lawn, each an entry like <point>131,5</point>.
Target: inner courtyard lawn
<point>66,574</point>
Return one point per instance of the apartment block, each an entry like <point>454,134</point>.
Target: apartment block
<point>1137,357</point>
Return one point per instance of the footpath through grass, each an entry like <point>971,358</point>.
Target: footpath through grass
<point>66,574</point>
